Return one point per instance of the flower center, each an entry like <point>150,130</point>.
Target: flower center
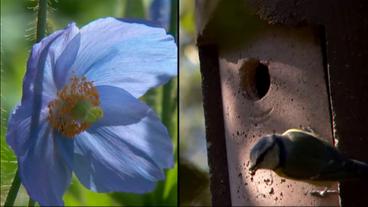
<point>76,107</point>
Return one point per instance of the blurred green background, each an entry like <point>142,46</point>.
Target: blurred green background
<point>18,26</point>
<point>193,170</point>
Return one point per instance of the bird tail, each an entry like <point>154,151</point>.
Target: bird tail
<point>356,170</point>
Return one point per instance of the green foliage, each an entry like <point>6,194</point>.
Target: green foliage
<point>197,181</point>
<point>194,188</point>
<point>187,18</point>
<point>8,166</point>
<point>134,9</point>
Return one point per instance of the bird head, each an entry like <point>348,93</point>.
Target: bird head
<point>265,154</point>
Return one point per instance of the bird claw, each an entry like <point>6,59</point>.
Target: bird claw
<point>323,193</point>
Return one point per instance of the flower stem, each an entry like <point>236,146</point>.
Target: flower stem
<point>31,202</point>
<point>41,19</point>
<point>13,191</point>
<point>174,19</point>
<point>41,28</point>
<point>166,112</point>
<point>41,31</point>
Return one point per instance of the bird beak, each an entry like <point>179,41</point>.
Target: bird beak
<point>253,167</point>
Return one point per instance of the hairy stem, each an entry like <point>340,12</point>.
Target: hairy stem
<point>41,28</point>
<point>41,19</point>
<point>14,188</point>
<point>31,202</point>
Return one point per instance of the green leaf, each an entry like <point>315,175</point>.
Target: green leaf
<point>134,9</point>
<point>78,195</point>
<point>8,166</point>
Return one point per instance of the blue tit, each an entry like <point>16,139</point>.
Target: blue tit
<point>300,155</point>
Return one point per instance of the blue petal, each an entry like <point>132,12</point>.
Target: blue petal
<point>49,62</point>
<point>43,169</point>
<point>19,127</point>
<point>119,107</point>
<point>103,163</point>
<point>63,53</point>
<point>125,54</point>
<point>136,124</point>
<point>34,103</point>
<point>38,54</point>
<point>121,155</point>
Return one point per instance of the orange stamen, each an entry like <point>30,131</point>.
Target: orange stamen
<point>60,110</point>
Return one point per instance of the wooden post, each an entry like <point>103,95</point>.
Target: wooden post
<point>212,104</point>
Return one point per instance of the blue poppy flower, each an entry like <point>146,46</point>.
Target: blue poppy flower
<point>80,110</point>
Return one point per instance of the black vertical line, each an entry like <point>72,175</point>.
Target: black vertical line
<point>214,121</point>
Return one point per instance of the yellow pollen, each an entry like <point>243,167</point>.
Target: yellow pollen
<point>61,110</point>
